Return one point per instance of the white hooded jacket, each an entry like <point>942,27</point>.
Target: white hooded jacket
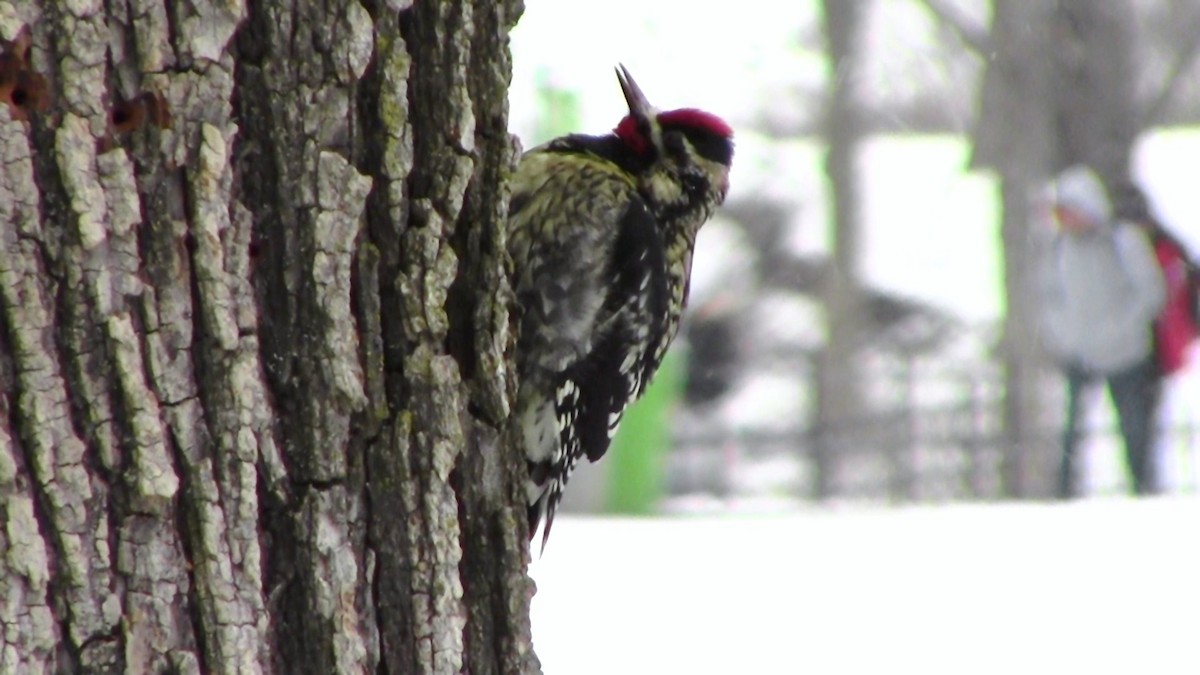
<point>1102,288</point>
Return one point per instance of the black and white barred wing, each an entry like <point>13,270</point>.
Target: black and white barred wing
<point>591,394</point>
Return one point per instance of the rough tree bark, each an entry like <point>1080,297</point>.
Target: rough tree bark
<point>254,339</point>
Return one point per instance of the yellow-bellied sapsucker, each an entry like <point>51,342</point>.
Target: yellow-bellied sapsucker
<point>601,233</point>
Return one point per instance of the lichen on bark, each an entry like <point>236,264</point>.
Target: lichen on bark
<point>255,351</point>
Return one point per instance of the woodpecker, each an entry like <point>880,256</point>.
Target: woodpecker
<point>601,231</point>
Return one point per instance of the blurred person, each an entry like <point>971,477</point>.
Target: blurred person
<point>1178,324</point>
<point>1102,292</point>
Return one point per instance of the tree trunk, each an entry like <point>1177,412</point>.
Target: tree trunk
<point>1058,91</point>
<point>254,339</point>
<point>839,386</point>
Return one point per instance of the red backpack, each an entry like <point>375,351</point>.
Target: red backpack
<point>1179,322</point>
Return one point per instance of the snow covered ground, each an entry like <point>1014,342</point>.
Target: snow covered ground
<point>1097,586</point>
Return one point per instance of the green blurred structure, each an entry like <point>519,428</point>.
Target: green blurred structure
<point>558,110</point>
<point>637,459</point>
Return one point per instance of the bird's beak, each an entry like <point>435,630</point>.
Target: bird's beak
<point>638,105</point>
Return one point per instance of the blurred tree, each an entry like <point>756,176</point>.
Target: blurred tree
<point>839,386</point>
<point>1167,51</point>
<point>253,329</point>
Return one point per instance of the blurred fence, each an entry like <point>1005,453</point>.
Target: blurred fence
<point>933,433</point>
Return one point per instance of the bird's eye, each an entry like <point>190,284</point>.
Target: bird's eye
<point>675,144</point>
